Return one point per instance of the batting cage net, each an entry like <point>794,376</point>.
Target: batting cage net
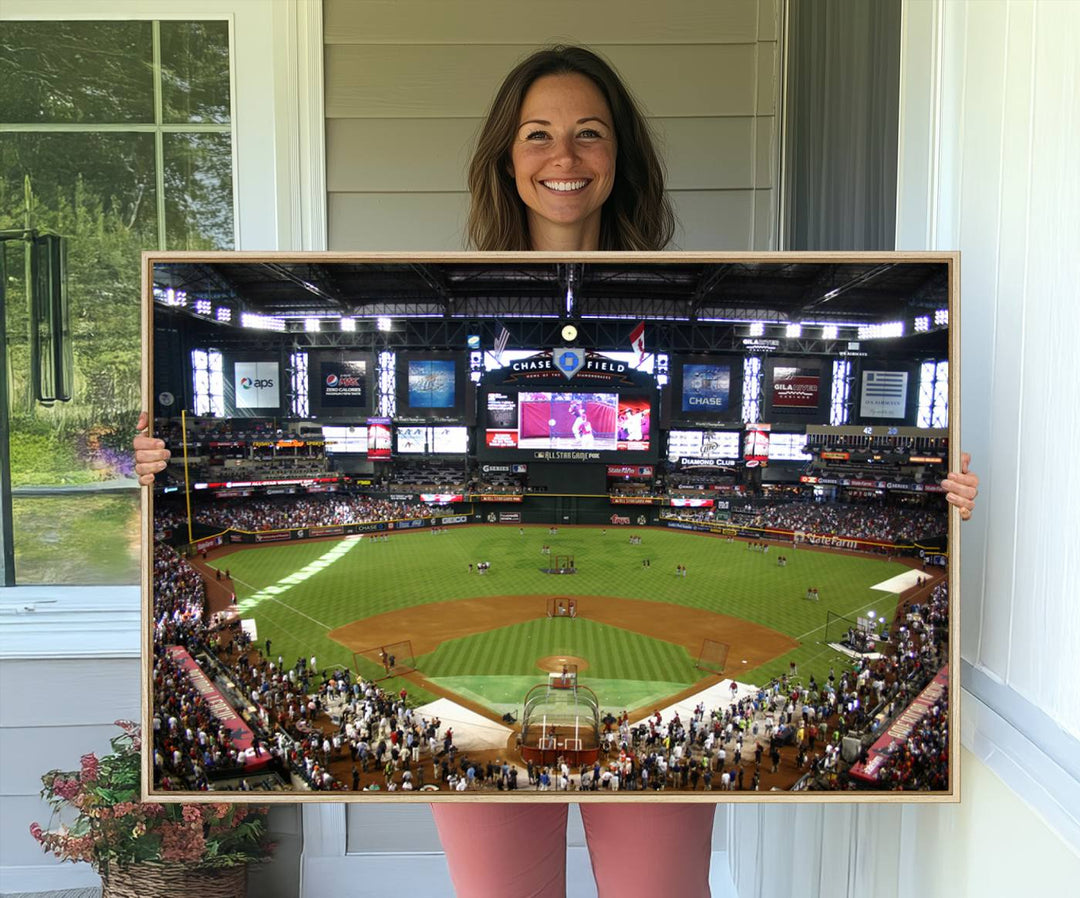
<point>837,626</point>
<point>560,723</point>
<point>713,656</point>
<point>562,606</point>
<point>382,661</point>
<point>560,564</point>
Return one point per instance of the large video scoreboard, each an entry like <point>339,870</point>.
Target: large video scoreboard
<point>531,411</point>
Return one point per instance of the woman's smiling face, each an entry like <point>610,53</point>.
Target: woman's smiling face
<point>563,161</point>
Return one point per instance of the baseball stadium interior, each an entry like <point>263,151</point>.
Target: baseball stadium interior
<point>483,525</point>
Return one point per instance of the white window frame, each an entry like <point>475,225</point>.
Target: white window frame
<point>279,196</point>
<point>280,204</point>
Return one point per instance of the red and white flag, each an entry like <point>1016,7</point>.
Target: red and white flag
<point>637,341</point>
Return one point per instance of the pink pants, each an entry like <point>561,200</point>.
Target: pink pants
<point>519,850</point>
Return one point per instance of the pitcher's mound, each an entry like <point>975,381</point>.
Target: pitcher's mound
<point>554,663</point>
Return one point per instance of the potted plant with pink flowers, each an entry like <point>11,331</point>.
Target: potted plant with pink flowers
<point>148,848</point>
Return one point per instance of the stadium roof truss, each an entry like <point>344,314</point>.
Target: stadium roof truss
<point>694,306</point>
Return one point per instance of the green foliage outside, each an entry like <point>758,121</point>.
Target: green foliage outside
<point>99,190</point>
<point>89,540</point>
<point>297,593</point>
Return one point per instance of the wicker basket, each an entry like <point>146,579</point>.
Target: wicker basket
<point>173,881</point>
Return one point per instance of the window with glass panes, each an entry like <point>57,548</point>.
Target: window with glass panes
<point>118,136</point>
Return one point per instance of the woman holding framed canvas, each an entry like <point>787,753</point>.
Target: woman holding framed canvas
<point>565,163</point>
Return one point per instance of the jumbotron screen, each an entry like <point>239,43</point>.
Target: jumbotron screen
<point>568,420</point>
<point>424,440</point>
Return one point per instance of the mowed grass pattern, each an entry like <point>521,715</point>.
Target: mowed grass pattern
<point>612,653</point>
<point>414,569</point>
<point>624,668</point>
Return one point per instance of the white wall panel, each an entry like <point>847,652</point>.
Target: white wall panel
<point>1007,197</point>
<point>1002,185</point>
<point>979,235</point>
<point>28,752</point>
<point>1045,623</point>
<point>390,828</point>
<point>68,693</point>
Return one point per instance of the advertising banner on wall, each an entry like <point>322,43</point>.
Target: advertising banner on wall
<point>378,433</point>
<point>432,383</point>
<point>884,394</point>
<point>643,471</point>
<point>257,384</point>
<point>706,388</point>
<point>343,384</point>
<point>756,447</point>
<point>795,388</point>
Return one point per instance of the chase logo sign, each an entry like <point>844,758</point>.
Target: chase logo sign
<point>568,360</point>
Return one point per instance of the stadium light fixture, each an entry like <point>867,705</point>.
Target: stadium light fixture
<point>941,317</point>
<point>383,323</point>
<point>348,325</point>
<point>757,328</point>
<point>922,324</point>
<point>830,332</point>
<point>881,331</point>
<point>223,314</point>
<point>311,325</point>
<point>793,331</point>
<point>204,307</point>
<point>262,322</point>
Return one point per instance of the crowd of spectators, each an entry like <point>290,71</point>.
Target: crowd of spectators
<point>189,742</point>
<point>793,723</point>
<point>921,761</point>
<point>326,509</point>
<point>854,521</point>
<point>800,723</point>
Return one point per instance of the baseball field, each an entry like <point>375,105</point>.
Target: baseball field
<point>486,638</point>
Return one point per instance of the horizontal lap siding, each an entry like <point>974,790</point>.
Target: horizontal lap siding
<point>525,23</point>
<point>53,711</point>
<point>408,83</point>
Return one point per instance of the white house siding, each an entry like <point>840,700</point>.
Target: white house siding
<point>408,83</point>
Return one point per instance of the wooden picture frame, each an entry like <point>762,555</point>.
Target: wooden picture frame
<point>615,551</point>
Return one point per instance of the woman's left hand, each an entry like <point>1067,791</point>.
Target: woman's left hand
<point>962,487</point>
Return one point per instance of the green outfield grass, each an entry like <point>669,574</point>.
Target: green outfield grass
<point>298,592</point>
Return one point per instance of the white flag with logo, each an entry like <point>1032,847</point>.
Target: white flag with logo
<point>884,394</point>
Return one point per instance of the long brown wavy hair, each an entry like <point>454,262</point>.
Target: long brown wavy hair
<point>637,214</point>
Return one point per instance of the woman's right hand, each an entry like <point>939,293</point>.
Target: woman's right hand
<point>151,455</point>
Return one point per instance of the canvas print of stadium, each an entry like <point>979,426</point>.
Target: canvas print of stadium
<point>606,527</point>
